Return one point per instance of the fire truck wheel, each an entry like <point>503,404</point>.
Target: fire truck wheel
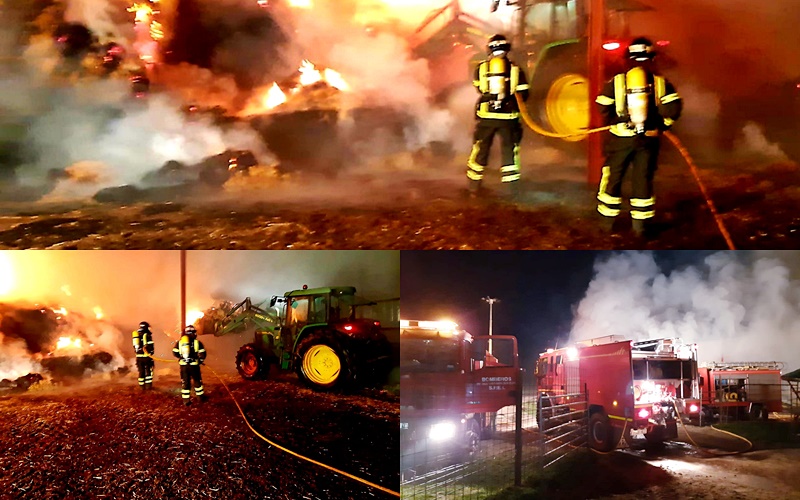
<point>323,362</point>
<point>250,364</point>
<point>601,435</point>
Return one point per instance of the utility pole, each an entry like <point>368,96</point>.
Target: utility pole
<point>491,301</point>
<point>597,29</point>
<point>183,291</point>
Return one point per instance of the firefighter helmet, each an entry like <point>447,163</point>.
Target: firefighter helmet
<point>498,43</point>
<point>641,49</point>
<point>190,330</point>
<point>144,325</point>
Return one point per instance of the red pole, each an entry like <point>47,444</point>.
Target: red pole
<point>183,290</point>
<point>597,28</point>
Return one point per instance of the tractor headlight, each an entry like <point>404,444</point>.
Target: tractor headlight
<point>442,431</point>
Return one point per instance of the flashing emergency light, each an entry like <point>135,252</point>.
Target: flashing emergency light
<point>644,413</point>
<point>612,45</point>
<point>693,408</point>
<point>572,354</point>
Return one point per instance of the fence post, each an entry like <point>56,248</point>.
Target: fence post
<point>518,433</point>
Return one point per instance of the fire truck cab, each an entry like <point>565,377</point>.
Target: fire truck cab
<point>632,388</point>
<point>452,385</point>
<point>740,390</point>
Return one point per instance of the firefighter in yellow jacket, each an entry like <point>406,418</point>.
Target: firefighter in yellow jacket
<point>191,353</point>
<point>640,105</point>
<point>497,80</point>
<point>144,348</point>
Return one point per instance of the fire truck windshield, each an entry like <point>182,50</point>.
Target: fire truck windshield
<point>428,355</point>
<point>650,369</point>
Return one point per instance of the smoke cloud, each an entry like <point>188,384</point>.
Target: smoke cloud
<point>737,306</point>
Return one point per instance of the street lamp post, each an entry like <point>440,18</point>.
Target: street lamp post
<point>491,301</point>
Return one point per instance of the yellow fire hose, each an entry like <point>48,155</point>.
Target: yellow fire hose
<point>315,462</point>
<point>680,419</point>
<point>526,117</point>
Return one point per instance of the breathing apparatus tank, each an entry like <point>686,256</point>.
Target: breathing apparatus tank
<point>498,80</point>
<point>638,97</point>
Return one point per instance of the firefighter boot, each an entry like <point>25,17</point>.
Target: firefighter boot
<point>473,188</point>
<point>607,224</point>
<point>203,398</point>
<point>640,228</point>
<point>513,192</point>
<point>148,387</point>
<point>187,402</point>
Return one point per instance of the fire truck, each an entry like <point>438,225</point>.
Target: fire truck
<point>632,388</point>
<point>739,390</point>
<point>452,384</point>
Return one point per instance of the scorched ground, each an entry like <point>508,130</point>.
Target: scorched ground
<point>108,439</point>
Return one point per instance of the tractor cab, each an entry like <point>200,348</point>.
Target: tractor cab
<point>300,308</point>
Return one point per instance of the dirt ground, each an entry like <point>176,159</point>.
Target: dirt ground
<point>108,439</point>
<point>711,470</point>
<point>556,211</point>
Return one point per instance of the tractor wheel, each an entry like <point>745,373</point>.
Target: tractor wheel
<point>559,97</point>
<point>250,364</point>
<point>323,362</point>
<point>601,435</point>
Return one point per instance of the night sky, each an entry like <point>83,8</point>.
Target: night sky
<point>537,290</point>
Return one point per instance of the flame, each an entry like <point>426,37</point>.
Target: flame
<point>62,311</point>
<point>274,97</point>
<point>301,4</point>
<point>193,316</point>
<point>309,74</point>
<point>67,290</point>
<point>335,80</point>
<point>143,12</point>
<point>98,313</point>
<point>68,343</point>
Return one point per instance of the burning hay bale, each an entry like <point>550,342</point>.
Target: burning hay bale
<point>55,344</point>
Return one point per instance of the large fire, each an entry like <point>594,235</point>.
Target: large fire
<point>148,31</point>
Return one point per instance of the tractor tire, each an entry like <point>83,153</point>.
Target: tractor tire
<point>250,364</point>
<point>559,93</point>
<point>601,434</point>
<point>323,362</point>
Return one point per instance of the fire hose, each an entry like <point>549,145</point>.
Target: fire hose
<point>680,419</point>
<point>526,117</point>
<point>286,450</point>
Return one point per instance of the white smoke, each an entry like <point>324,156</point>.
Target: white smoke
<point>736,306</point>
<point>15,361</point>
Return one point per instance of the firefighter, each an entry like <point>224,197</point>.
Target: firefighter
<point>640,105</point>
<point>144,348</point>
<point>191,354</point>
<point>497,80</point>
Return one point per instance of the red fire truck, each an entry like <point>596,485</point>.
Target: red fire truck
<point>631,387</point>
<point>739,390</point>
<point>452,383</point>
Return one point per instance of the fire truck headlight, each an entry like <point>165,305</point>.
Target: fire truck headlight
<point>442,431</point>
<point>693,408</point>
<point>644,413</point>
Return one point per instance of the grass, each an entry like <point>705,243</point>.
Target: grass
<point>765,434</point>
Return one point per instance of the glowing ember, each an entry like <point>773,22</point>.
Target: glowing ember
<point>98,313</point>
<point>143,12</point>
<point>67,343</point>
<point>61,311</point>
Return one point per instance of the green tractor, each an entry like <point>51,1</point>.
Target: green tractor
<point>314,331</point>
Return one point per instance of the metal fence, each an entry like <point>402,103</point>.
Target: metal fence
<point>510,448</point>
